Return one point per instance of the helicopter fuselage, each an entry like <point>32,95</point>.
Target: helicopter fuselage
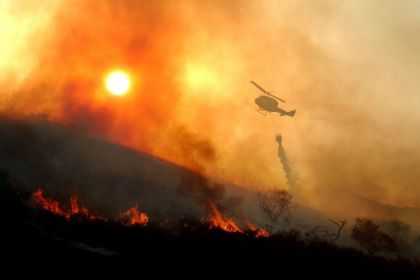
<point>267,103</point>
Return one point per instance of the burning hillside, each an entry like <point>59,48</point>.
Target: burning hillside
<point>127,202</point>
<point>134,217</point>
<point>53,230</point>
<point>84,176</point>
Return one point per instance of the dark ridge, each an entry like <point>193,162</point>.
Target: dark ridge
<point>62,160</point>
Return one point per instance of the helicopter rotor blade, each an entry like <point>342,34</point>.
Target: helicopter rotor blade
<point>266,92</point>
<point>278,98</point>
<point>259,87</point>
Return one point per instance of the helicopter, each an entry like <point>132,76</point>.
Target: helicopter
<point>269,103</point>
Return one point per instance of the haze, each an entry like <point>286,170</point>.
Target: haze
<point>349,68</point>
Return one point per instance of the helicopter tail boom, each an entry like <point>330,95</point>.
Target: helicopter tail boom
<point>290,114</point>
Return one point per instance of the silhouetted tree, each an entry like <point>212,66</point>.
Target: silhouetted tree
<point>321,232</point>
<point>371,238</point>
<point>340,226</point>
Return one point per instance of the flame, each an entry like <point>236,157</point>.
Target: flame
<point>259,232</point>
<point>135,217</point>
<point>132,215</point>
<point>54,206</point>
<point>76,209</point>
<point>217,220</point>
<point>47,204</point>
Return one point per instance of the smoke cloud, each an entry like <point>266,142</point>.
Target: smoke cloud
<point>349,68</point>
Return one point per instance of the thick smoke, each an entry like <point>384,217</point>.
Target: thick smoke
<point>349,68</point>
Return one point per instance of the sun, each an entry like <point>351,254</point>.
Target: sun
<point>118,82</point>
